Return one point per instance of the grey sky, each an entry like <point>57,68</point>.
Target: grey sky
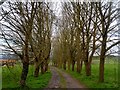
<point>57,10</point>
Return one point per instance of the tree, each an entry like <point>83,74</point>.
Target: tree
<point>22,21</point>
<point>107,17</point>
<point>29,27</point>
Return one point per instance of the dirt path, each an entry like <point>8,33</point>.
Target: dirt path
<point>61,79</point>
<point>55,80</point>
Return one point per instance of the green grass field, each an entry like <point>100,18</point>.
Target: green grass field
<point>11,77</point>
<point>111,75</point>
<point>0,77</point>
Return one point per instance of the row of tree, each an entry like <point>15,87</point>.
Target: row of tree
<point>26,28</point>
<point>84,30</point>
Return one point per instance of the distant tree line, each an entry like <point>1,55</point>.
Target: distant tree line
<point>8,56</point>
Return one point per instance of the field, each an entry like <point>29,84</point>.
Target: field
<point>0,77</point>
<point>111,75</point>
<point>11,77</point>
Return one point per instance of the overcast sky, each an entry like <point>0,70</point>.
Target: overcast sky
<point>57,10</point>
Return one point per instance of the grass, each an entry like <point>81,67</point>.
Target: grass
<point>0,77</point>
<point>110,75</point>
<point>11,77</point>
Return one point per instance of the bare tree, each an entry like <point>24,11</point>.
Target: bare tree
<point>106,19</point>
<point>20,22</point>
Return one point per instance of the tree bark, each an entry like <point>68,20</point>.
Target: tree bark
<point>102,61</point>
<point>37,67</point>
<point>25,64</point>
<point>87,63</point>
<point>101,70</point>
<point>73,65</point>
<point>42,68</point>
<point>78,65</point>
<point>36,71</point>
<point>64,65</point>
<point>68,65</point>
<point>88,68</point>
<point>81,63</point>
<point>46,66</point>
<point>24,73</point>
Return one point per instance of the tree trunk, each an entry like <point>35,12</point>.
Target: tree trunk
<point>46,66</point>
<point>87,64</point>
<point>81,63</point>
<point>102,61</point>
<point>102,58</point>
<point>37,67</point>
<point>24,73</point>
<point>88,68</point>
<point>36,73</point>
<point>101,66</point>
<point>25,64</point>
<point>68,65</point>
<point>78,65</point>
<point>42,68</point>
<point>64,65</point>
<point>60,65</point>
<point>73,65</point>
<point>101,71</point>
